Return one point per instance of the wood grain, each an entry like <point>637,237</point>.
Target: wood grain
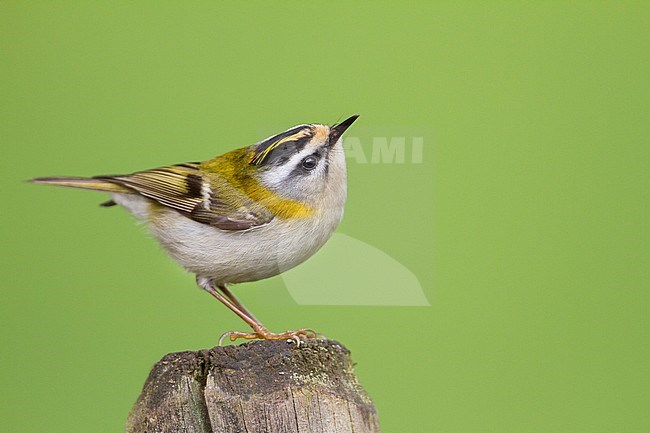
<point>260,386</point>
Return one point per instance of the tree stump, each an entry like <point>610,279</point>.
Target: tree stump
<point>260,386</point>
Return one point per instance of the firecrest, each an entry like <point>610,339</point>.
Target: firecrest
<point>246,215</point>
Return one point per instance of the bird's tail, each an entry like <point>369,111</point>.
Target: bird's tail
<point>81,182</point>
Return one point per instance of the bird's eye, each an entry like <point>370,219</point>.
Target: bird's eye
<point>309,163</point>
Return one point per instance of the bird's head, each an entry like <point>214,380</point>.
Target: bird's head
<point>303,162</point>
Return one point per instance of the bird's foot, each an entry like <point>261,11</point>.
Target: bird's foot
<point>263,334</point>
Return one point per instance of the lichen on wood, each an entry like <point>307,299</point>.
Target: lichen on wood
<point>260,386</point>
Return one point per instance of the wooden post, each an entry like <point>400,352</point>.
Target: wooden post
<point>260,386</point>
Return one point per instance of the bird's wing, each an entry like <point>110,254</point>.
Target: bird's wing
<point>185,188</point>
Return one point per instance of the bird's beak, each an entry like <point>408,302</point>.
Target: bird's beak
<point>337,130</point>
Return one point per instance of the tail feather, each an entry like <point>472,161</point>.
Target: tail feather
<point>81,182</point>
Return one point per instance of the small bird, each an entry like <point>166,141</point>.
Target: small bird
<point>246,215</point>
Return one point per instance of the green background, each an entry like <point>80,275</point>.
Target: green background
<point>526,224</point>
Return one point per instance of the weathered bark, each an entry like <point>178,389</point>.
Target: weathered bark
<point>260,386</point>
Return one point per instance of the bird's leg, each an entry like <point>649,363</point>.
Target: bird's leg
<point>208,286</point>
<point>236,302</point>
<point>260,331</point>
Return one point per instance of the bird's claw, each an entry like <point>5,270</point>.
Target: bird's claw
<point>263,334</point>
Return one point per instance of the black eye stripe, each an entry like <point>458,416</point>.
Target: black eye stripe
<point>300,171</point>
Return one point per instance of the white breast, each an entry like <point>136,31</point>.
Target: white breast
<point>249,255</point>
<point>239,256</point>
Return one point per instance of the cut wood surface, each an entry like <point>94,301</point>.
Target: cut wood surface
<point>260,386</point>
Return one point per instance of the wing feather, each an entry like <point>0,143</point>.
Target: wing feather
<point>185,188</point>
